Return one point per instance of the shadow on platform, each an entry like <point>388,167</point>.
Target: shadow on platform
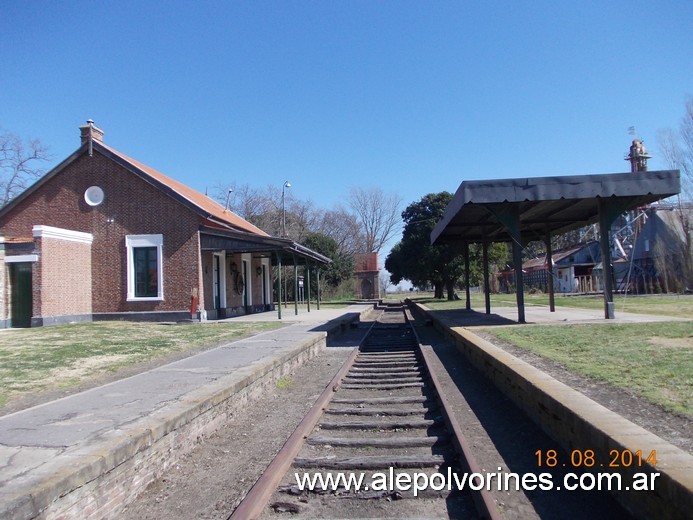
<point>471,318</point>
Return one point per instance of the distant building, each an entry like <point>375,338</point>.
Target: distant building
<point>367,276</point>
<point>660,260</point>
<point>572,269</point>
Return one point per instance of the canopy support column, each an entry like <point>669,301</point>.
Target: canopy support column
<point>465,252</point>
<point>308,284</point>
<point>279,286</point>
<point>519,278</point>
<point>609,211</point>
<point>317,274</point>
<point>487,285</point>
<point>549,268</point>
<point>509,216</point>
<point>295,287</point>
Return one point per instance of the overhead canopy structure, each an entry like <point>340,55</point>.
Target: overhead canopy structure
<point>280,251</point>
<point>522,210</point>
<point>557,204</point>
<point>293,253</point>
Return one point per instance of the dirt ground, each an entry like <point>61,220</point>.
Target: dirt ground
<point>210,481</point>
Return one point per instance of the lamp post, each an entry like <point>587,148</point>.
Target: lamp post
<point>287,184</point>
<point>228,198</point>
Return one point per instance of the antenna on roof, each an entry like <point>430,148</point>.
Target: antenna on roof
<point>90,122</point>
<point>228,196</point>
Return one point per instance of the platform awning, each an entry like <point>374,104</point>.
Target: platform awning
<point>215,239</point>
<point>554,204</point>
<point>522,210</point>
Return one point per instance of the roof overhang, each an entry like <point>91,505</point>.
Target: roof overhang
<point>215,239</point>
<point>545,204</point>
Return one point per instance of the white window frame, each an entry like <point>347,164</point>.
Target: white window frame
<point>132,242</point>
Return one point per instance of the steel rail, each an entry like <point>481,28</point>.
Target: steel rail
<point>483,500</point>
<point>253,504</point>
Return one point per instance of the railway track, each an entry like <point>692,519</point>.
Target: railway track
<point>382,420</point>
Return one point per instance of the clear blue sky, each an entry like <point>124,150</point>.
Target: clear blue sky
<point>414,97</point>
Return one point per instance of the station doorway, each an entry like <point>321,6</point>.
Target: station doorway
<point>21,301</point>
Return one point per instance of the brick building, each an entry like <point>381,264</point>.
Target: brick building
<point>102,236</point>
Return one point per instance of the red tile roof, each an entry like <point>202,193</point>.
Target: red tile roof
<point>211,208</point>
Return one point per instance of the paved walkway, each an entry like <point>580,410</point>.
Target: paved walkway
<point>324,314</point>
<point>39,443</point>
<point>540,314</point>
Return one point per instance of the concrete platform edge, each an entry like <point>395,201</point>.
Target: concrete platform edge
<point>97,481</point>
<point>578,423</point>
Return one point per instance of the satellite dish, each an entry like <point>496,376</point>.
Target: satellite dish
<point>93,195</point>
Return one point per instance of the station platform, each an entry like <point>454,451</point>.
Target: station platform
<point>540,315</point>
<point>570,418</point>
<point>80,456</point>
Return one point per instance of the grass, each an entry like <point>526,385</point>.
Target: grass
<point>49,358</point>
<point>653,360</point>
<point>676,305</point>
<point>284,383</point>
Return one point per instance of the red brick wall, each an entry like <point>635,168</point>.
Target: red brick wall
<point>208,277</point>
<point>63,279</point>
<point>366,262</point>
<point>131,207</point>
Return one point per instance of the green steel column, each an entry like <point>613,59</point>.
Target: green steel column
<point>279,285</point>
<point>607,216</point>
<point>517,262</point>
<point>318,282</point>
<point>487,284</point>
<point>468,303</point>
<point>308,284</point>
<point>549,266</point>
<point>295,287</point>
<point>509,216</point>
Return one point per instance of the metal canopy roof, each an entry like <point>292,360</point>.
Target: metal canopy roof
<point>216,239</point>
<point>555,204</point>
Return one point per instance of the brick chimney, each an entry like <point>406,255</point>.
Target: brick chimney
<point>89,130</point>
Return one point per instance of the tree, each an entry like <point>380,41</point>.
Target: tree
<point>342,266</point>
<point>263,208</point>
<point>20,164</point>
<point>245,201</point>
<point>378,213</point>
<point>415,259</point>
<point>677,149</point>
<point>498,256</point>
<point>384,281</point>
<point>344,228</point>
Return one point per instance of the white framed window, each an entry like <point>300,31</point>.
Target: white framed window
<point>145,274</point>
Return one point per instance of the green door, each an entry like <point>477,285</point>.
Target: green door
<point>20,279</point>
